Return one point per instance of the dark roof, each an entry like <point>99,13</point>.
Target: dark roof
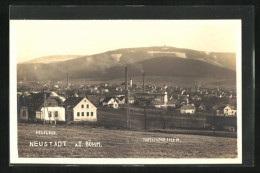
<point>35,101</point>
<point>107,99</point>
<point>71,102</point>
<point>22,101</point>
<point>186,107</point>
<point>121,98</point>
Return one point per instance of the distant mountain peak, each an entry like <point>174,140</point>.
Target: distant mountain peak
<point>51,59</point>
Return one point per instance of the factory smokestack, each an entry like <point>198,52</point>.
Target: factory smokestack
<point>67,80</point>
<point>143,82</point>
<point>126,80</point>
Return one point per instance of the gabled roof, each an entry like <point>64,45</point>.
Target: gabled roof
<point>35,101</point>
<point>187,107</point>
<point>107,99</point>
<point>121,98</point>
<point>131,98</point>
<point>232,107</point>
<point>71,102</point>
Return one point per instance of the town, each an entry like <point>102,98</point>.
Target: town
<point>52,102</point>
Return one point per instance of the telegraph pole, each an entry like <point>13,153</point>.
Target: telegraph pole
<point>44,98</point>
<point>214,121</point>
<point>145,119</point>
<point>128,124</point>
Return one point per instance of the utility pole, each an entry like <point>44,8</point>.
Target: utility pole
<point>128,124</point>
<point>143,82</point>
<point>67,80</point>
<point>44,99</point>
<point>145,119</point>
<point>214,122</point>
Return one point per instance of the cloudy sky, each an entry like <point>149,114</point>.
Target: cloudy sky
<point>37,38</point>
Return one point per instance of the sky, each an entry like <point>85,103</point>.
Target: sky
<point>32,39</point>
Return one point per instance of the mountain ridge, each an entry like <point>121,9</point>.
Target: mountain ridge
<point>152,60</point>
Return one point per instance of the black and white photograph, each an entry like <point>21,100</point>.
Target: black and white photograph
<point>126,91</point>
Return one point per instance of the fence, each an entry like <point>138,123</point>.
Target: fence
<point>158,119</point>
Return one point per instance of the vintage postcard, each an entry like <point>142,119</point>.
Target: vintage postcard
<point>125,92</point>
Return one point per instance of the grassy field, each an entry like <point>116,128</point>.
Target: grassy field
<point>120,143</point>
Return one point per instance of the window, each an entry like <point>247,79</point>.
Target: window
<point>82,114</point>
<point>87,113</point>
<point>82,106</point>
<point>50,114</point>
<point>78,114</point>
<point>87,106</point>
<point>24,113</point>
<point>92,113</point>
<point>56,113</point>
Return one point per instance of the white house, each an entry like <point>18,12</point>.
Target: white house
<point>80,109</point>
<point>188,109</point>
<point>44,106</point>
<point>230,111</point>
<point>110,102</point>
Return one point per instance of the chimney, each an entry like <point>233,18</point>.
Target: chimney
<point>67,80</point>
<point>143,82</point>
<point>126,80</point>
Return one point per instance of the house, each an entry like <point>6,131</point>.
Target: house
<point>120,100</point>
<point>110,102</point>
<point>230,111</point>
<point>188,109</point>
<point>80,109</point>
<point>41,107</point>
<point>131,99</point>
<point>23,113</point>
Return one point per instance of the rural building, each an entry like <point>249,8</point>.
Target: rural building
<point>110,102</point>
<point>120,100</point>
<point>80,109</point>
<point>230,111</point>
<point>188,109</point>
<point>23,113</point>
<point>50,107</point>
<point>131,100</point>
<point>41,106</point>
